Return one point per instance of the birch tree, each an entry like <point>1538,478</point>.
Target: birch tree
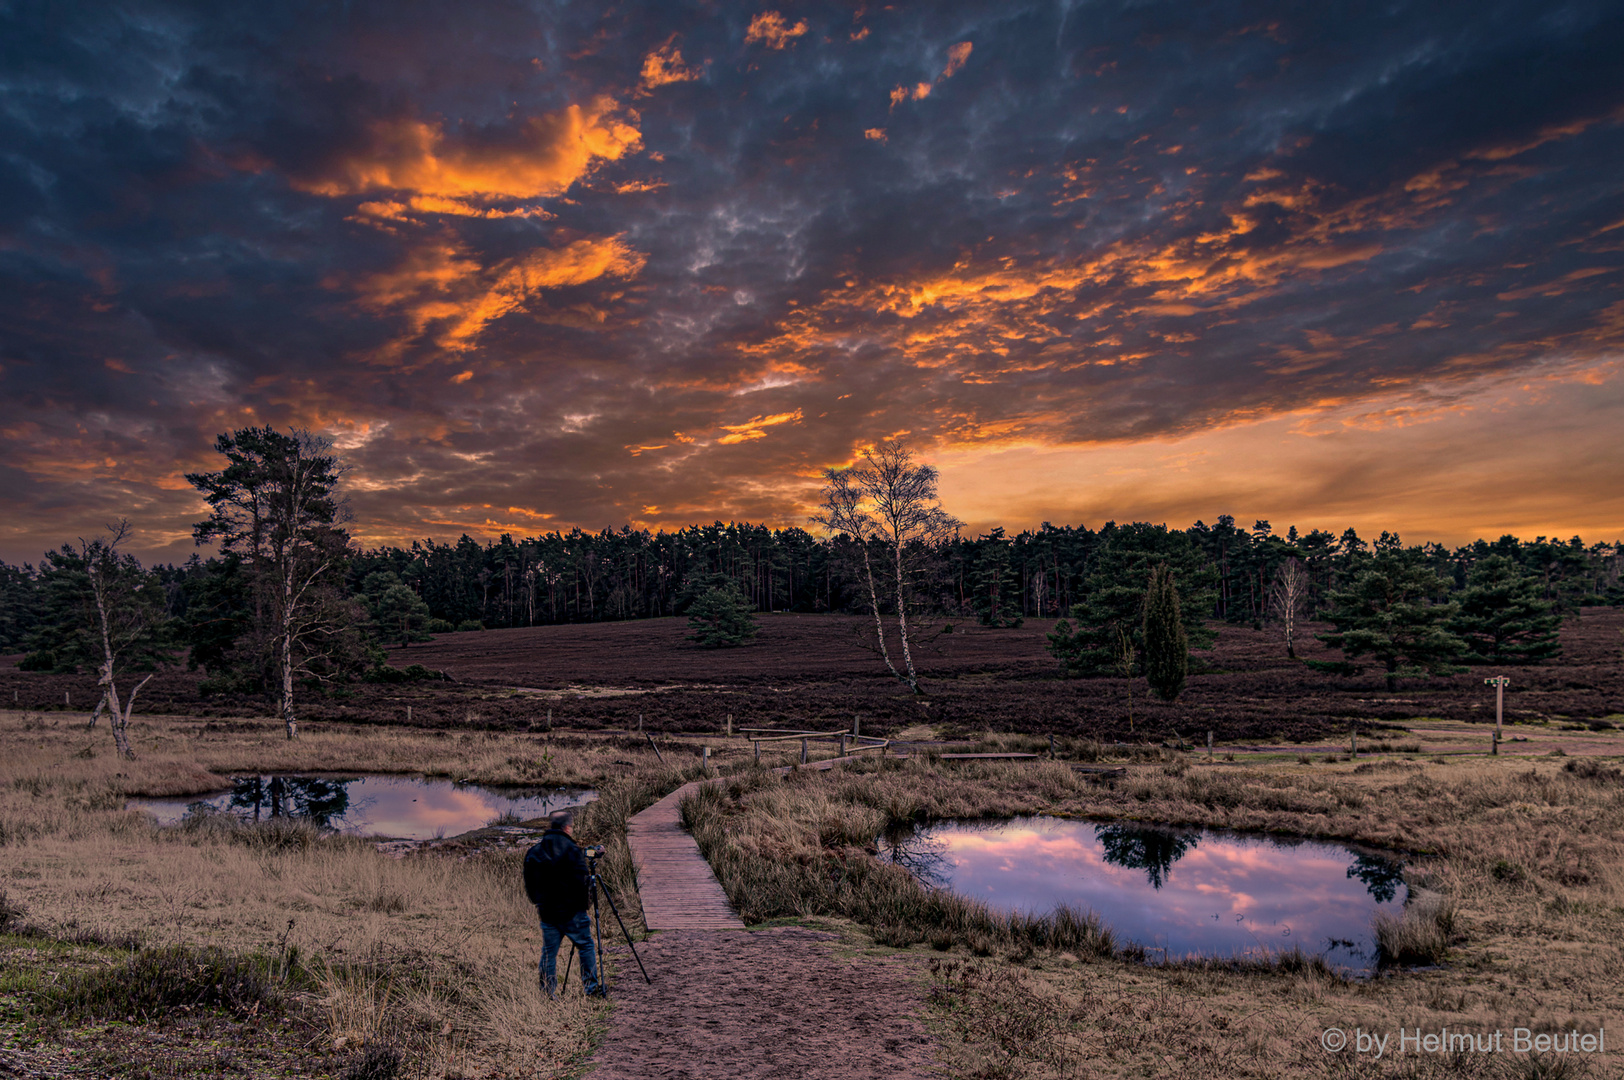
<point>275,507</point>
<point>889,501</point>
<point>110,614</point>
<point>1288,596</point>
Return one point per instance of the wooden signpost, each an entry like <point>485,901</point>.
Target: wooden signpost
<point>1499,682</point>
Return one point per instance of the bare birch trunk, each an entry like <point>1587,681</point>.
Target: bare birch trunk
<point>287,653</point>
<point>879,624</point>
<point>902,625</point>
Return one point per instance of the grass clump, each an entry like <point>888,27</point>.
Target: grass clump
<point>155,983</point>
<point>1417,936</point>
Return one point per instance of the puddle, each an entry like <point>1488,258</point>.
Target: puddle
<point>409,807</point>
<point>1179,893</point>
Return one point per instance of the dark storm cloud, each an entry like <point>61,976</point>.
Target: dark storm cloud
<point>540,265</point>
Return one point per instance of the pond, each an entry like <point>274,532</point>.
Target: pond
<point>405,807</point>
<point>1179,893</point>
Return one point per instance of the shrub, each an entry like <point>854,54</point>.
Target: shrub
<point>439,626</point>
<point>469,624</point>
<point>43,660</point>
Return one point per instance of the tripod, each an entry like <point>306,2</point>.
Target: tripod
<point>593,882</point>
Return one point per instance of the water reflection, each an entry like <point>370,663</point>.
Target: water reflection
<point>1152,850</point>
<point>407,807</point>
<point>1178,892</point>
<point>313,798</point>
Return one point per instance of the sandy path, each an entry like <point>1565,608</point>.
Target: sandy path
<point>774,1003</point>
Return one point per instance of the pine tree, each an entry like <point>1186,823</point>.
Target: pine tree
<point>720,617</point>
<point>1167,646</point>
<point>1393,610</point>
<point>995,588</point>
<point>1503,618</point>
<point>1088,642</point>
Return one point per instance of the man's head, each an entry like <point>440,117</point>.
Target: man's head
<point>562,821</point>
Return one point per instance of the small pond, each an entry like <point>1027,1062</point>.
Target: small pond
<point>406,807</point>
<point>1178,893</point>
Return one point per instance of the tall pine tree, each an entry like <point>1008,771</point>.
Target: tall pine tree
<point>1393,610</point>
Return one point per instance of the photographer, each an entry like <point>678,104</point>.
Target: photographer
<point>555,878</point>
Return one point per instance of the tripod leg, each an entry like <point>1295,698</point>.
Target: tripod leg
<point>567,964</point>
<point>625,933</point>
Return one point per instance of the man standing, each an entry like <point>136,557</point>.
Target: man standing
<point>555,878</point>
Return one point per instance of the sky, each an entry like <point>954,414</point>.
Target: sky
<point>534,266</point>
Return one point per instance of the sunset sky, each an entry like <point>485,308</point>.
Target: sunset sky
<point>535,266</point>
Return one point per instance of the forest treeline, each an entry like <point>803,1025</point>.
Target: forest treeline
<point>998,578</point>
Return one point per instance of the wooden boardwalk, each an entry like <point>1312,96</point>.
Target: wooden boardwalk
<point>674,881</point>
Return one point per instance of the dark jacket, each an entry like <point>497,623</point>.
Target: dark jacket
<point>555,877</point>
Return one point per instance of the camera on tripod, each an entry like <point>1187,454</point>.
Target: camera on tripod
<point>593,851</point>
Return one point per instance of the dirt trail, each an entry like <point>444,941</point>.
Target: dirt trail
<point>783,1002</point>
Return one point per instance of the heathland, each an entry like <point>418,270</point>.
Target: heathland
<point>220,947</point>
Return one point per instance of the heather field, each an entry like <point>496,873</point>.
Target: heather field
<point>812,670</point>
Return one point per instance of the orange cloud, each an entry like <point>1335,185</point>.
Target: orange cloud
<point>919,92</point>
<point>451,173</point>
<point>956,57</point>
<point>664,66</point>
<point>439,285</point>
<point>773,30</point>
<point>754,427</point>
<point>877,134</point>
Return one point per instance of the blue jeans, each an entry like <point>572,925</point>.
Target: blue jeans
<point>578,930</point>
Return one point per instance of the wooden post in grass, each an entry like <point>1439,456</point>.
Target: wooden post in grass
<point>67,699</point>
<point>652,743</point>
<point>854,719</point>
<point>1209,746</point>
<point>704,758</point>
<point>639,721</point>
<point>1052,754</point>
<point>1353,740</point>
<point>1499,682</point>
<point>757,744</point>
<point>408,714</point>
<point>842,744</point>
<point>803,751</point>
<point>728,731</point>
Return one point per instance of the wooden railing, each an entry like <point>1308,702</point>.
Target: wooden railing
<point>849,743</point>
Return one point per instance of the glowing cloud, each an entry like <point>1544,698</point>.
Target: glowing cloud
<point>956,58</point>
<point>664,66</point>
<point>773,30</point>
<point>754,428</point>
<point>541,157</point>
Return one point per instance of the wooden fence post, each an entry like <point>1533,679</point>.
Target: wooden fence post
<point>854,719</point>
<point>803,751</point>
<point>729,729</point>
<point>704,758</point>
<point>842,744</point>
<point>652,743</point>
<point>408,714</point>
<point>757,744</point>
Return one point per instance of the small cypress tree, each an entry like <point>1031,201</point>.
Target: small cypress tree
<point>1167,647</point>
<point>720,617</point>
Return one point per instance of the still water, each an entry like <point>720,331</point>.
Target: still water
<point>406,807</point>
<point>1186,892</point>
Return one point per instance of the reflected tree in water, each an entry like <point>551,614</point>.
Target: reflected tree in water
<point>1152,850</point>
<point>314,799</point>
<point>1381,876</point>
<point>919,853</point>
